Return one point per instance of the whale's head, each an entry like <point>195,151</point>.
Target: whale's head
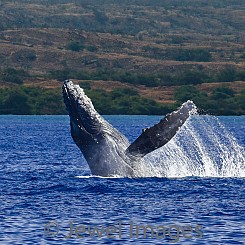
<point>83,116</point>
<point>102,145</point>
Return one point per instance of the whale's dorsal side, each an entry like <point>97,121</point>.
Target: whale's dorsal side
<point>161,133</point>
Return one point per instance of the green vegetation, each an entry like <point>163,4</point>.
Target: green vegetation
<point>92,48</point>
<point>103,16</point>
<point>75,46</point>
<point>12,75</point>
<point>161,45</point>
<point>222,100</point>
<point>227,75</point>
<point>198,55</point>
<point>107,75</point>
<point>24,100</point>
<point>30,100</point>
<point>79,46</point>
<point>154,79</point>
<point>125,101</point>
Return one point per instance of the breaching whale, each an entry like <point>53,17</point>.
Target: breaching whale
<point>107,151</point>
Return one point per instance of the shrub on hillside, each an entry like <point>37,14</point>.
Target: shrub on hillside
<point>12,75</point>
<point>75,46</point>
<point>85,85</point>
<point>15,102</point>
<point>222,93</point>
<point>226,75</point>
<point>198,55</point>
<point>186,92</point>
<point>92,48</point>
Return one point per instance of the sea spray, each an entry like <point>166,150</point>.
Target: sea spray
<point>202,147</point>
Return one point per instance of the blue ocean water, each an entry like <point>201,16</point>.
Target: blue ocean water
<point>46,190</point>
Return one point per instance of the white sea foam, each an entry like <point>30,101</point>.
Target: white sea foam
<point>202,147</point>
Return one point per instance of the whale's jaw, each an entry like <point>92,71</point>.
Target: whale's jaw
<point>80,108</point>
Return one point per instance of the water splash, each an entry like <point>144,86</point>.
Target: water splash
<point>202,147</point>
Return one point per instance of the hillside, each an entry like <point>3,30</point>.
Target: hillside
<point>152,47</point>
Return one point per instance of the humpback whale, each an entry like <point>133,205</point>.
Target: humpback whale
<point>107,151</point>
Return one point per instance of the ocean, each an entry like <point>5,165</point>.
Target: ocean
<point>195,196</point>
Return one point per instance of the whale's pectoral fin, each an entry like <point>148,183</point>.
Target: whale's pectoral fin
<point>159,134</point>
